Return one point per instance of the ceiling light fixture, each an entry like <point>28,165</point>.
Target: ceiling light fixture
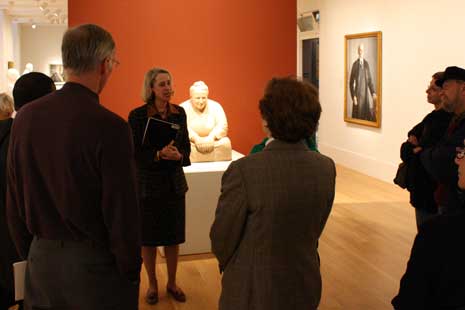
<point>33,26</point>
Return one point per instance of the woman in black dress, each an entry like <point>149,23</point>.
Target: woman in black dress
<point>162,184</point>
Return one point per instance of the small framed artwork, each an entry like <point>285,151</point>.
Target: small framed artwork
<point>362,79</point>
<point>56,73</point>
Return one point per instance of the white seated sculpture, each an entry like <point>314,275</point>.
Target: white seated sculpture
<point>208,127</point>
<point>28,68</point>
<point>11,76</point>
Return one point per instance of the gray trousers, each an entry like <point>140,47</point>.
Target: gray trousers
<point>73,275</point>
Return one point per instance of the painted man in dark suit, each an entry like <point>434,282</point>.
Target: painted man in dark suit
<point>361,87</point>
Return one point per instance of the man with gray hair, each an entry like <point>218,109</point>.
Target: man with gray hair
<point>71,197</point>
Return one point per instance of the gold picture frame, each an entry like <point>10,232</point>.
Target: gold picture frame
<point>362,78</point>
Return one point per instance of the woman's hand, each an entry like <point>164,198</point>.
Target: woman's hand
<point>170,152</point>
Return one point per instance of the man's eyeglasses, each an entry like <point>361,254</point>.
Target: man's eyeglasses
<point>460,153</point>
<point>114,61</point>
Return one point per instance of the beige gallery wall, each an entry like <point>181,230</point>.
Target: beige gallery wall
<point>418,37</point>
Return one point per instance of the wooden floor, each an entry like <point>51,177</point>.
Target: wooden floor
<point>364,250</point>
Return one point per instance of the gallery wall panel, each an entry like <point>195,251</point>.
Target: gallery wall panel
<point>234,46</point>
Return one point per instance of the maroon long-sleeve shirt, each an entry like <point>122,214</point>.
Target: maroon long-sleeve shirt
<point>71,176</point>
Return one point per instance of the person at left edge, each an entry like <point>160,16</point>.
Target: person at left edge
<point>71,188</point>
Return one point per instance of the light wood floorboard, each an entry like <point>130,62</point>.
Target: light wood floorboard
<point>364,250</point>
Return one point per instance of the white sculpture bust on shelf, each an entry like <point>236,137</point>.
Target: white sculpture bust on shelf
<point>208,127</point>
<point>28,68</point>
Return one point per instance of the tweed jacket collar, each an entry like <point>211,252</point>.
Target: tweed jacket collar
<point>279,145</point>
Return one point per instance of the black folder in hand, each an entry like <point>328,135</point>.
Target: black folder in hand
<point>159,133</point>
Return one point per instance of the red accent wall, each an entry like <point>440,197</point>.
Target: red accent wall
<point>235,47</point>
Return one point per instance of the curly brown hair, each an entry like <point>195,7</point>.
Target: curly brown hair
<point>291,109</point>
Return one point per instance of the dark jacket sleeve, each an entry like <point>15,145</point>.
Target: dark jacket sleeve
<point>353,80</point>
<point>14,208</point>
<point>230,217</point>
<point>439,159</point>
<point>406,151</point>
<point>119,199</point>
<point>435,126</point>
<point>417,131</point>
<point>439,162</point>
<point>369,79</point>
<point>184,145</point>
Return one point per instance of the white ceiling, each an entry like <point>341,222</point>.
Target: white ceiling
<point>36,11</point>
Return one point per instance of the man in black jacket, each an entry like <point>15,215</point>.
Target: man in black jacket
<point>439,160</point>
<point>425,134</point>
<point>435,275</point>
<point>71,190</point>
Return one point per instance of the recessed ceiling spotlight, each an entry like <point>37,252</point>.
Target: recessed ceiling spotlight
<point>33,26</point>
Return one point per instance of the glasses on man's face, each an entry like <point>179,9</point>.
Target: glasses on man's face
<point>460,153</point>
<point>114,62</point>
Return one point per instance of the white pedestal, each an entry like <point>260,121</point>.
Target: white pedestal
<point>204,180</point>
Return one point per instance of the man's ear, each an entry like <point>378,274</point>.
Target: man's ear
<point>104,66</point>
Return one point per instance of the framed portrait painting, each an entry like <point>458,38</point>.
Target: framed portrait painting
<point>57,73</point>
<point>362,79</point>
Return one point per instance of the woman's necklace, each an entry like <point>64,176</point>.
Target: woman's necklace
<point>162,110</point>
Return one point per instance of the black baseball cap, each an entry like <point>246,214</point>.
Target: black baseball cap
<point>452,73</point>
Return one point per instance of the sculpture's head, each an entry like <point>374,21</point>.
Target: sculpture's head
<point>29,67</point>
<point>199,95</point>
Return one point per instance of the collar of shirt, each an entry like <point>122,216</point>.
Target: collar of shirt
<point>76,87</point>
<point>269,140</point>
<point>152,109</point>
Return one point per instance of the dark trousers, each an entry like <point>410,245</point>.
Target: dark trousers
<point>75,275</point>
